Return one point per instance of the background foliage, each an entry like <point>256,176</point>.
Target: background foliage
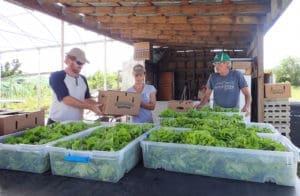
<point>25,90</point>
<point>11,68</point>
<point>288,71</point>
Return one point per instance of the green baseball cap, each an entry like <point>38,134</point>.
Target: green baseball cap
<point>221,57</point>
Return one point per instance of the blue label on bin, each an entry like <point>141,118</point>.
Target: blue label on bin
<point>79,159</point>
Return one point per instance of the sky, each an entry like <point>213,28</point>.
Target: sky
<point>281,41</point>
<point>16,32</point>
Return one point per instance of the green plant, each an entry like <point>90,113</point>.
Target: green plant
<point>96,81</point>
<point>11,68</point>
<point>288,71</point>
<point>295,92</point>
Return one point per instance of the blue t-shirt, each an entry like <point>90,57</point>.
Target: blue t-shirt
<point>64,85</point>
<point>145,115</point>
<point>226,89</point>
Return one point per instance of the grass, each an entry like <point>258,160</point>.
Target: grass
<point>295,93</point>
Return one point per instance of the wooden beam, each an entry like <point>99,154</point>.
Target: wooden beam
<point>260,73</point>
<point>225,20</point>
<point>187,34</point>
<point>276,9</point>
<point>203,20</point>
<point>201,44</point>
<point>187,10</point>
<point>179,27</point>
<point>79,1</point>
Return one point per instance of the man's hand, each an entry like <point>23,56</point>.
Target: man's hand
<point>246,110</point>
<point>96,108</point>
<point>198,106</point>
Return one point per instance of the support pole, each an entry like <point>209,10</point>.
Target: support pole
<point>39,79</point>
<point>62,47</point>
<point>260,73</point>
<point>105,66</point>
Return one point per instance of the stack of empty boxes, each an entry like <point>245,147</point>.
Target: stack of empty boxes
<point>277,107</point>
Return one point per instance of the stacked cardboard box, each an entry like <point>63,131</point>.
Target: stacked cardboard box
<point>142,51</point>
<point>13,121</point>
<point>243,66</point>
<point>279,90</point>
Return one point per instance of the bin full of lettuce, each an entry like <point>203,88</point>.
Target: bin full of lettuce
<point>104,155</point>
<point>26,150</point>
<point>226,153</point>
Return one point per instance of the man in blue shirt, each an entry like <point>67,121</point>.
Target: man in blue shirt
<point>226,85</point>
<point>70,90</point>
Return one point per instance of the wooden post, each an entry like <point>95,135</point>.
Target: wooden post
<point>260,73</point>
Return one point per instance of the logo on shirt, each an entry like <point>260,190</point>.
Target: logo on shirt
<point>225,85</point>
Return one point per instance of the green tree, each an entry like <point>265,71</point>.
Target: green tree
<point>11,68</point>
<point>288,71</point>
<point>96,81</point>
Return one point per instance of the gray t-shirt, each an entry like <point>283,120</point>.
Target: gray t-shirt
<point>226,89</point>
<point>145,116</point>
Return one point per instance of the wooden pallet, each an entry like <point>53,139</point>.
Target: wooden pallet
<point>283,129</point>
<point>276,100</point>
<point>277,110</point>
<point>278,115</point>
<point>276,105</point>
<point>284,104</point>
<point>277,121</point>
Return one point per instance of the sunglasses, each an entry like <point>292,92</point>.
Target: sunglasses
<point>138,75</point>
<point>79,63</point>
<point>76,61</point>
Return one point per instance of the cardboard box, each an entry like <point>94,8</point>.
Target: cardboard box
<point>277,90</point>
<point>119,102</point>
<point>34,119</point>
<point>142,51</point>
<point>244,66</point>
<point>180,106</point>
<point>13,121</point>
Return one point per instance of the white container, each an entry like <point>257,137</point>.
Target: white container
<point>263,125</point>
<point>232,163</point>
<point>95,165</point>
<point>26,157</point>
<point>248,124</point>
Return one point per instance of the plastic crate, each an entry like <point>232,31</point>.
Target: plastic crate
<point>95,165</point>
<point>26,157</point>
<point>283,129</point>
<point>160,119</point>
<point>263,125</point>
<point>232,163</point>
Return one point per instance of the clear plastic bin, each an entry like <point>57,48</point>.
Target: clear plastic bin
<point>95,165</point>
<point>232,163</point>
<point>263,125</point>
<point>26,157</point>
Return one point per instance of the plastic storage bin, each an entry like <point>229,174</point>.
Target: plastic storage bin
<point>264,125</point>
<point>26,157</point>
<point>248,124</point>
<point>95,165</point>
<point>232,163</point>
